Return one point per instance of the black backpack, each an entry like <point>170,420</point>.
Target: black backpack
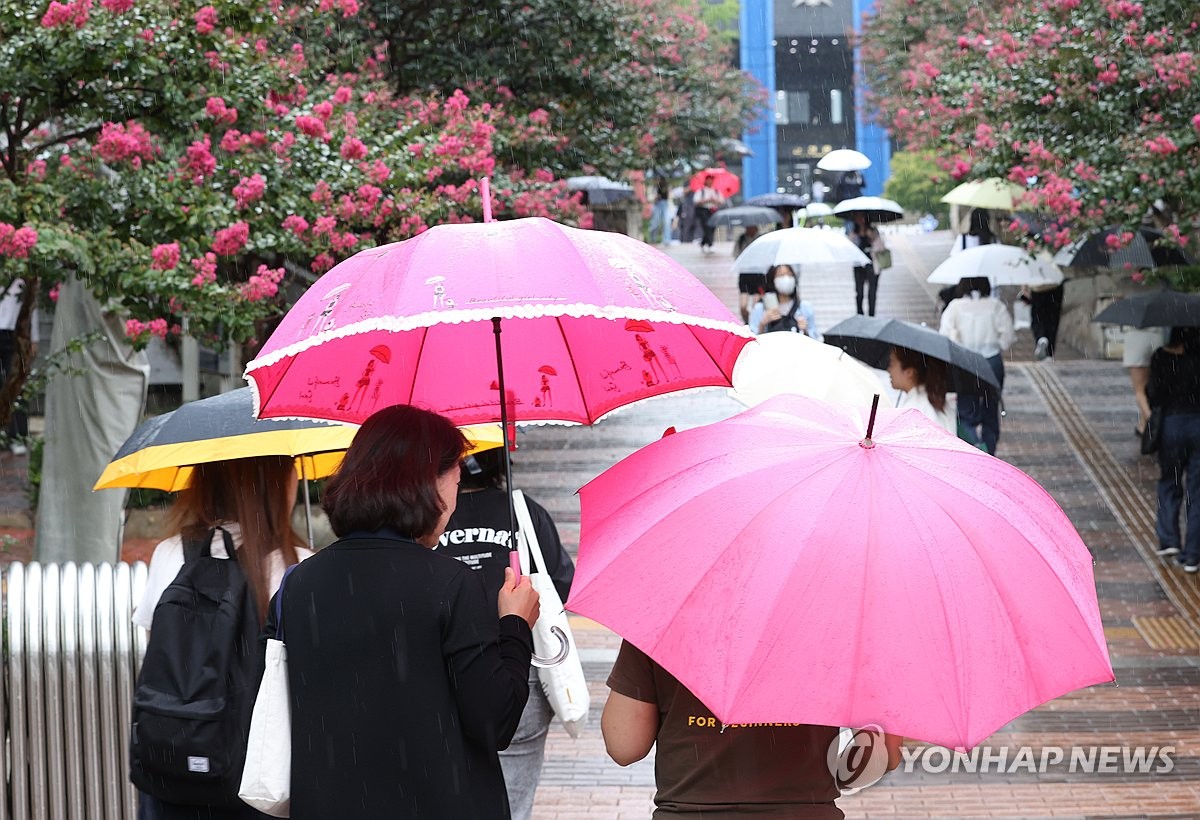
<point>196,689</point>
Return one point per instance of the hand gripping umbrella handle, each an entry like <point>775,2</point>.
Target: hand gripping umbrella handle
<point>564,646</point>
<point>560,656</point>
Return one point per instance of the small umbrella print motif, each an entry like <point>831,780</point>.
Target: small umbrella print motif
<point>548,370</point>
<point>638,326</point>
<point>383,353</point>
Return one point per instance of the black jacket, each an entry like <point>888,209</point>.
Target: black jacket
<point>404,684</point>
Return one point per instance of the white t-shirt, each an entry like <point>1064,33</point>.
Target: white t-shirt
<point>918,399</point>
<point>983,325</point>
<point>167,560</point>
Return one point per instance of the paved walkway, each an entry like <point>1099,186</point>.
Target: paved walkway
<point>1068,425</point>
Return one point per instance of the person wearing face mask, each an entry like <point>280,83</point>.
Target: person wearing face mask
<point>979,321</point>
<point>786,310</point>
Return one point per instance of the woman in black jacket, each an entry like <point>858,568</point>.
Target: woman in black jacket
<point>404,681</point>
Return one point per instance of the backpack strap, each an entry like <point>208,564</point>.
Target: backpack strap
<point>279,603</point>
<point>194,548</point>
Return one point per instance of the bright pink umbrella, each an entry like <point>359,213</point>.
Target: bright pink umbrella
<point>723,179</point>
<point>784,570</point>
<point>591,321</point>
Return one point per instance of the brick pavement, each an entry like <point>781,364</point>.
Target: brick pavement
<point>1155,701</point>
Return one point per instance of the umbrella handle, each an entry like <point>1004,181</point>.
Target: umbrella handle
<point>554,660</point>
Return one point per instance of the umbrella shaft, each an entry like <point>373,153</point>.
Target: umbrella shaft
<point>508,482</point>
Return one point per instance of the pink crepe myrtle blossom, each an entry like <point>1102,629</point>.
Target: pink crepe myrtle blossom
<point>17,242</point>
<point>60,14</point>
<point>216,108</point>
<point>138,330</point>
<point>199,163</point>
<point>125,142</point>
<point>342,95</point>
<point>296,224</point>
<point>249,191</point>
<point>311,126</point>
<point>262,284</point>
<point>230,241</point>
<point>117,6</point>
<point>206,269</point>
<point>206,20</point>
<point>165,256</point>
<point>353,148</point>
<point>55,290</point>
<point>324,110</point>
<point>321,263</point>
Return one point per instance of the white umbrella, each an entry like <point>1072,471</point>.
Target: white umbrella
<point>816,210</point>
<point>1001,264</point>
<point>796,246</point>
<point>844,159</point>
<point>784,362</point>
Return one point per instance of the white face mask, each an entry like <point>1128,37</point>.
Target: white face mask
<point>785,285</point>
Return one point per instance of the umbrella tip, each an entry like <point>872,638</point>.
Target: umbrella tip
<point>867,443</point>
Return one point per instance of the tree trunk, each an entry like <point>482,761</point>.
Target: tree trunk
<point>90,411</point>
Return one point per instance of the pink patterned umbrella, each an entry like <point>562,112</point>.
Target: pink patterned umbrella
<point>784,569</point>
<point>590,321</point>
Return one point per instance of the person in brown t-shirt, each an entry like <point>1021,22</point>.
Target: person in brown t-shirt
<point>730,772</point>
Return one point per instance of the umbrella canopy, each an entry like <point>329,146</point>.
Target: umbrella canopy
<point>163,450</point>
<point>874,208</point>
<point>795,246</point>
<point>777,201</point>
<point>992,193</point>
<point>783,362</point>
<point>724,181</point>
<point>816,210</point>
<point>870,339</point>
<point>746,215</point>
<point>844,159</point>
<point>600,190</point>
<point>1001,264</point>
<point>786,570</point>
<point>1107,249</point>
<point>589,321</point>
<point>1161,308</point>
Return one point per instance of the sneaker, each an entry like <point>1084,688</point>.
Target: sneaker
<point>1165,551</point>
<point>1191,569</point>
<point>1042,350</point>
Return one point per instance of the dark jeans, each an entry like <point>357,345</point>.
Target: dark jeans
<point>1045,309</point>
<point>866,278</point>
<point>1179,453</point>
<point>704,217</point>
<point>18,423</point>
<point>979,413</point>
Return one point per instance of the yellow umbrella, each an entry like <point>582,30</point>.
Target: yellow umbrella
<point>993,192</point>
<point>163,450</point>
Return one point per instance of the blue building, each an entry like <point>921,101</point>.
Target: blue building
<point>800,51</point>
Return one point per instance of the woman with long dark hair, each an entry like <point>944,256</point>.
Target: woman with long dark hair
<point>405,677</point>
<point>252,500</point>
<point>922,383</point>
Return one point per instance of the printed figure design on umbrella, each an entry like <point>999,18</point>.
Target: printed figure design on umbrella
<point>666,351</point>
<point>324,320</point>
<point>439,293</point>
<point>547,399</point>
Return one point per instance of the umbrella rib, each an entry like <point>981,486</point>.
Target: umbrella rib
<point>587,413</point>
<point>412,386</point>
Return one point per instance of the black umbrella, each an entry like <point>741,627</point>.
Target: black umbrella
<point>745,215</point>
<point>1162,308</point>
<point>1094,252</point>
<point>600,190</point>
<point>874,208</point>
<point>778,201</point>
<point>870,339</point>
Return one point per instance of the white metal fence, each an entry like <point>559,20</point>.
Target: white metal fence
<point>71,657</point>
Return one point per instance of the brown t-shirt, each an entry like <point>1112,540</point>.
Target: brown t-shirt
<point>745,771</point>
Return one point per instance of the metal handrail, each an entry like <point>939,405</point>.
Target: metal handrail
<point>70,660</point>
